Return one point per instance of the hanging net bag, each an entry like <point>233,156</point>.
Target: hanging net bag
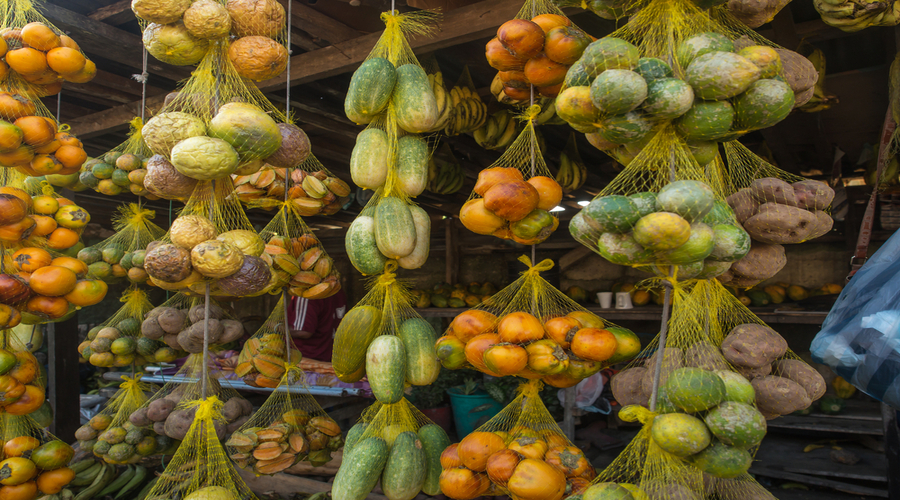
<point>115,341</point>
<point>530,329</point>
<point>177,327</point>
<point>396,445</point>
<point>121,170</point>
<point>520,452</point>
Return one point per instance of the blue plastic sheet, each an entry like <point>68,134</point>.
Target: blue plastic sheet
<point>860,338</point>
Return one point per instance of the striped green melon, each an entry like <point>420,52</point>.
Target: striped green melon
<point>651,68</point>
<point>622,129</point>
<point>721,75</point>
<point>668,98</point>
<point>370,89</point>
<point>618,91</point>
<point>700,44</point>
<point>706,120</point>
<point>764,104</point>
<point>609,53</point>
<point>362,248</point>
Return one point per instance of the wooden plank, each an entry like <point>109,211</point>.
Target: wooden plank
<point>121,83</point>
<point>573,257</point>
<point>108,42</point>
<point>114,14</point>
<point>817,481</point>
<point>822,423</point>
<point>113,118</point>
<point>63,383</point>
<point>461,25</point>
<point>317,24</point>
<point>786,453</point>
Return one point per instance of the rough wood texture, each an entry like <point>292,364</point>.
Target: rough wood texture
<point>317,24</point>
<point>63,387</point>
<point>114,14</point>
<point>287,485</point>
<point>458,26</point>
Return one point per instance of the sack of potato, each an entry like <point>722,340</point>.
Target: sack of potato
<point>216,125</point>
<point>177,326</point>
<point>116,341</point>
<point>33,460</point>
<point>111,436</point>
<point>211,243</point>
<point>288,428</point>
<point>297,258</point>
<point>396,444</point>
<point>384,339</point>
<point>512,198</point>
<point>119,255</point>
<point>664,211</point>
<point>707,418</point>
<point>200,469</point>
<point>520,452</point>
<point>530,329</point>
<point>171,411</point>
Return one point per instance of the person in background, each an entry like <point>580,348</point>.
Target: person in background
<point>314,322</point>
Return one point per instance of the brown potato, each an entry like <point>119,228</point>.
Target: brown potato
<point>189,342</point>
<point>231,330</point>
<point>171,320</point>
<point>150,328</point>
<point>743,204</point>
<point>761,263</point>
<point>160,409</point>
<point>626,387</point>
<point>778,395</point>
<point>813,195</point>
<point>752,373</point>
<point>800,372</point>
<point>139,417</point>
<point>780,224</point>
<point>706,356</point>
<point>232,409</point>
<point>198,312</point>
<point>753,345</point>
<point>773,190</point>
<point>179,422</point>
<point>823,224</point>
<point>233,426</point>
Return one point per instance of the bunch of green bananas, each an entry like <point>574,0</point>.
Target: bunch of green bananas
<point>855,15</point>
<point>572,173</point>
<point>98,479</point>
<point>501,128</point>
<point>469,112</point>
<point>444,177</point>
<point>820,101</point>
<point>445,107</point>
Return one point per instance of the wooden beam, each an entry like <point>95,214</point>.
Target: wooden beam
<point>63,386</point>
<point>121,83</point>
<point>461,25</point>
<point>810,31</point>
<point>114,14</point>
<point>113,118</point>
<point>303,41</point>
<point>317,24</point>
<point>108,42</point>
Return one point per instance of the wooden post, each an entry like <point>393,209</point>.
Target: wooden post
<point>568,416</point>
<point>451,235</point>
<point>62,374</point>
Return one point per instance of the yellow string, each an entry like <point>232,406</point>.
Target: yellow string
<point>636,413</point>
<point>208,409</point>
<point>131,383</point>
<point>544,265</point>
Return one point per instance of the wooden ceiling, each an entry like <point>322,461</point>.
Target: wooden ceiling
<point>330,38</point>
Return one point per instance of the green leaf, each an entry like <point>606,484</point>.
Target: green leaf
<point>480,408</point>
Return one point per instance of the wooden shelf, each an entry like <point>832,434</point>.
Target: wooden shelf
<point>858,417</point>
<point>653,313</point>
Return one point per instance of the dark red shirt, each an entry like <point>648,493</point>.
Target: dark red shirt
<point>320,317</point>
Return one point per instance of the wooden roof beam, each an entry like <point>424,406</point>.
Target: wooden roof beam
<point>461,25</point>
<point>114,14</point>
<point>317,24</point>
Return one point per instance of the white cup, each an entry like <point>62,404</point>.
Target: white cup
<point>623,300</point>
<point>605,299</point>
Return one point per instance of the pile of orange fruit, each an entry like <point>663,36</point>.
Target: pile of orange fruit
<point>560,350</point>
<point>534,52</point>
<point>32,467</point>
<point>43,58</point>
<point>33,144</point>
<point>530,464</point>
<point>37,285</point>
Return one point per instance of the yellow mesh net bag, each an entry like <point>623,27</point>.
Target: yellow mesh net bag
<point>396,444</point>
<point>530,329</point>
<point>392,93</point>
<point>721,375</point>
<point>532,53</point>
<point>115,341</point>
<point>201,466</point>
<point>34,461</point>
<point>177,326</point>
<point>613,10</point>
<point>40,57</point>
<point>648,73</point>
<point>263,361</point>
<point>122,169</point>
<point>113,258</point>
<point>172,410</point>
<point>215,125</point>
<point>520,452</point>
<point>513,197</point>
<point>210,244</point>
<point>385,340</point>
<point>110,434</point>
<point>297,257</point>
<point>23,379</point>
<point>292,417</point>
